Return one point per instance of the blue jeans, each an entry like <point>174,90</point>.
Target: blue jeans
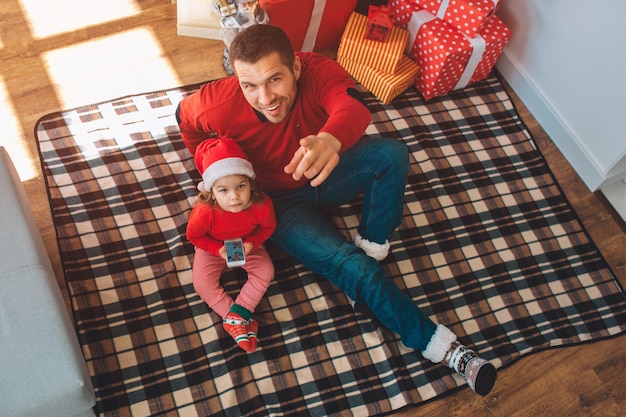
<point>378,169</point>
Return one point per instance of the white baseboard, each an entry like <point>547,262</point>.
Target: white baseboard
<point>561,135</point>
<point>616,194</point>
<point>199,31</point>
<point>545,113</point>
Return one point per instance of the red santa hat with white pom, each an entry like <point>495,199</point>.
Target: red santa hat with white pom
<point>218,158</point>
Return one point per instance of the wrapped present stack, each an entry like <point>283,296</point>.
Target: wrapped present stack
<point>455,42</point>
<point>372,51</point>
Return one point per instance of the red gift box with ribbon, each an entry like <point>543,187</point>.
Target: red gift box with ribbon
<point>448,59</point>
<point>468,16</point>
<point>311,25</point>
<point>401,11</point>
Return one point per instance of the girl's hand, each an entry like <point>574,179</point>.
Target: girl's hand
<point>222,252</point>
<point>247,247</point>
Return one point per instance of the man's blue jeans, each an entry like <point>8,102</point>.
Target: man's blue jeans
<point>378,169</point>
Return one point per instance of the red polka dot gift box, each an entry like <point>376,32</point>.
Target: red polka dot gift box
<point>401,11</point>
<point>310,25</point>
<point>449,59</point>
<point>468,16</point>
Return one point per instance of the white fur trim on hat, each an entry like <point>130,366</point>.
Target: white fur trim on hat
<point>439,344</point>
<point>378,251</point>
<point>223,168</point>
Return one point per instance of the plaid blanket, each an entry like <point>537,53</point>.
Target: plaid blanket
<point>489,246</point>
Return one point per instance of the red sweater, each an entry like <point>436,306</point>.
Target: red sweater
<point>324,104</point>
<point>209,226</point>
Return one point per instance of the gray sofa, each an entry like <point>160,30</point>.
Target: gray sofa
<point>42,370</point>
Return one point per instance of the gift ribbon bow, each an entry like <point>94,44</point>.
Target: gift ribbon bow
<point>441,12</point>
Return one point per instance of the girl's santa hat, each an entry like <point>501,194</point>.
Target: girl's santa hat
<point>218,158</point>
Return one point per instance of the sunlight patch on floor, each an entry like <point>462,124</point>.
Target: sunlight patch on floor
<point>12,137</point>
<point>49,18</point>
<point>106,68</point>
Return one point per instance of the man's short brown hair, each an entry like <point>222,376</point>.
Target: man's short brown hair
<point>259,41</point>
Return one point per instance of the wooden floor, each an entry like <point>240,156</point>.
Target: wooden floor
<point>126,47</point>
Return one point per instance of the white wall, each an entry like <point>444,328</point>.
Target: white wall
<point>567,61</point>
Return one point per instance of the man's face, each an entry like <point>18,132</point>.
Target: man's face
<point>269,85</point>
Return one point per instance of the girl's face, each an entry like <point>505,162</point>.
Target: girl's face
<point>232,193</point>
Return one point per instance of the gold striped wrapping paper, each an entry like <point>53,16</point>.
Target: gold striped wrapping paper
<point>382,56</point>
<point>383,85</point>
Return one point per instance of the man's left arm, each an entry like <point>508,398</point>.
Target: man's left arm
<point>348,114</point>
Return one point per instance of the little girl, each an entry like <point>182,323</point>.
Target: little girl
<point>229,206</point>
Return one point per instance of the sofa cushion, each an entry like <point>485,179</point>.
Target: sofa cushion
<point>42,367</point>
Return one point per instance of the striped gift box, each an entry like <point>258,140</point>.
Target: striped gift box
<point>381,56</point>
<point>383,85</point>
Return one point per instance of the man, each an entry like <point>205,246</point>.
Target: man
<point>300,120</point>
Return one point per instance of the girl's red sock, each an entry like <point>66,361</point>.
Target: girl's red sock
<point>242,328</point>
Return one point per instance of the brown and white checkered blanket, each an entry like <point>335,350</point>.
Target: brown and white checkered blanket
<point>489,246</point>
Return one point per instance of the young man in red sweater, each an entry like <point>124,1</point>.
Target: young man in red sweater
<point>300,120</point>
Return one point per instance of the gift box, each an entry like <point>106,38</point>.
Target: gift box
<point>448,59</point>
<point>311,25</point>
<point>379,24</point>
<point>468,16</point>
<point>381,56</point>
<point>383,85</point>
<point>401,11</point>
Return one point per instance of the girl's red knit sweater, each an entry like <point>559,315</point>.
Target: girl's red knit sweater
<point>209,226</point>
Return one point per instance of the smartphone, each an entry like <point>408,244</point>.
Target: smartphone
<point>235,255</point>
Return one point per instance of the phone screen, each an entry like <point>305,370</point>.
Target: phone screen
<point>234,252</point>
